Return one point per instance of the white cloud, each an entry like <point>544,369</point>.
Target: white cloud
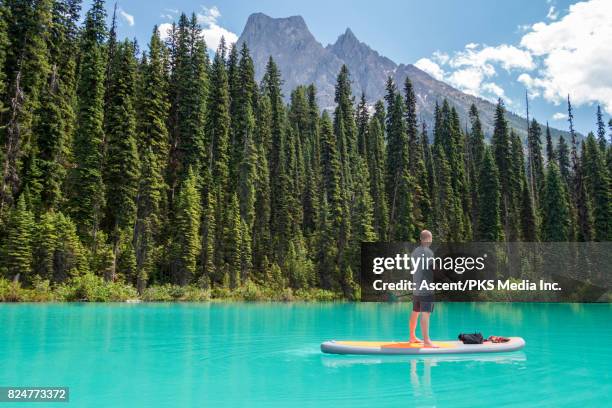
<point>569,53</point>
<point>430,67</point>
<point>469,80</point>
<point>164,30</point>
<point>576,55</point>
<point>471,69</point>
<point>211,30</point>
<point>508,56</point>
<point>441,57</point>
<point>494,89</point>
<point>559,116</point>
<point>129,19</point>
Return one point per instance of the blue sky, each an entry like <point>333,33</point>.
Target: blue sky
<point>486,48</point>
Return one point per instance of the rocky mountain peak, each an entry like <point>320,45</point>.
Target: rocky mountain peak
<point>302,60</point>
<point>347,38</point>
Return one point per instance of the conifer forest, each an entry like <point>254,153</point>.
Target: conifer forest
<point>163,164</point>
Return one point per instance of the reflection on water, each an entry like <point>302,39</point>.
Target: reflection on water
<point>348,361</point>
<point>425,371</point>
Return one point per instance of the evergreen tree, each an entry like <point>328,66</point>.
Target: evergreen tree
<point>550,150</point>
<point>189,92</point>
<point>5,14</point>
<point>432,185</point>
<point>57,250</point>
<point>262,222</point>
<point>535,166</point>
<point>27,67</point>
<point>362,126</point>
<point>399,181</point>
<point>88,188</point>
<point>584,221</point>
<point>363,216</point>
<point>149,216</point>
<point>233,242</point>
<point>52,141</point>
<point>601,130</point>
<point>236,127</point>
<point>122,163</point>
<point>489,226</point>
<point>597,184</point>
<point>186,232</point>
<point>332,206</point>
<point>518,181</point>
<point>243,144</point>
<point>416,160</point>
<point>502,152</point>
<point>574,161</point>
<point>476,147</point>
<point>17,248</point>
<point>153,146</point>
<point>218,133</point>
<point>311,195</point>
<point>562,156</point>
<point>447,219</point>
<point>54,126</point>
<point>152,102</point>
<point>345,128</point>
<point>271,85</point>
<point>529,224</point>
<point>376,165</point>
<point>555,207</point>
<point>208,272</point>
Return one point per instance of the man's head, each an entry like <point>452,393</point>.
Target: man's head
<point>426,238</point>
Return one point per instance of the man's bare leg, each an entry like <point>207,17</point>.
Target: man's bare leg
<point>425,330</point>
<point>414,319</point>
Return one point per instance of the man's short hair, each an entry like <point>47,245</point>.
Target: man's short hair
<point>425,234</point>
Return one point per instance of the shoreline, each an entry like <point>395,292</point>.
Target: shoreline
<point>93,289</point>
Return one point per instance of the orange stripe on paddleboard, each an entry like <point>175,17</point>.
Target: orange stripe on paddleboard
<point>387,344</point>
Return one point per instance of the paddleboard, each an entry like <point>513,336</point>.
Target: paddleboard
<point>394,347</point>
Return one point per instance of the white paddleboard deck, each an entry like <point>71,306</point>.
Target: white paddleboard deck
<point>395,348</point>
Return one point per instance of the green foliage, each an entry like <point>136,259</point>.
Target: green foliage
<point>186,232</point>
<point>168,293</point>
<point>187,180</point>
<point>17,246</point>
<point>26,69</point>
<point>218,120</point>
<point>92,288</point>
<point>58,252</point>
<point>87,198</point>
<point>122,162</point>
<point>555,208</point>
<point>489,220</point>
<point>188,96</point>
<point>535,163</point>
<point>376,170</point>
<point>399,181</point>
<point>598,186</point>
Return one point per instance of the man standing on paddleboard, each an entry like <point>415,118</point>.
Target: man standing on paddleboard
<point>422,299</point>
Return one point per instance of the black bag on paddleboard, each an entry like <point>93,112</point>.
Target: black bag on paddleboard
<point>471,338</point>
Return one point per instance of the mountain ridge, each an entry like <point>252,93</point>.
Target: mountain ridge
<point>303,60</point>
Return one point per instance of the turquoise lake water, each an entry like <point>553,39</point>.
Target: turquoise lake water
<point>267,355</point>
